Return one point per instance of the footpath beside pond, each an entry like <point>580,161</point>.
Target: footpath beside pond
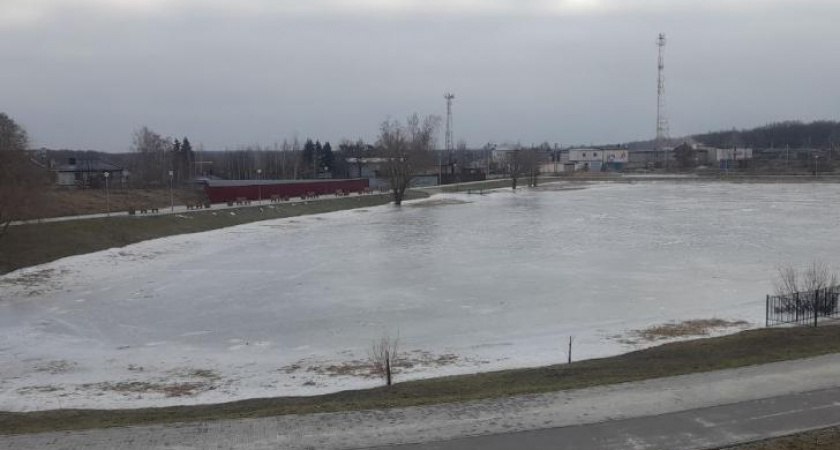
<point>38,243</point>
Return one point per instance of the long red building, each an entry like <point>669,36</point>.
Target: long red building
<point>222,191</point>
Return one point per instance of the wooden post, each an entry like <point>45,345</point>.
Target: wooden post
<point>388,370</point>
<point>767,312</point>
<point>570,349</point>
<point>816,306</point>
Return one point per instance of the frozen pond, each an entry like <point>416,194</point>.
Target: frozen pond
<point>289,307</point>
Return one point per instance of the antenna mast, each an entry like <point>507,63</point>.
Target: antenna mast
<point>661,117</point>
<point>450,141</point>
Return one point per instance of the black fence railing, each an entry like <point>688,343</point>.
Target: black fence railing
<point>803,307</point>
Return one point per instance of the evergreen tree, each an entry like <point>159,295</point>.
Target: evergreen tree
<point>187,158</point>
<point>308,156</point>
<point>175,161</point>
<point>327,157</point>
<point>317,166</point>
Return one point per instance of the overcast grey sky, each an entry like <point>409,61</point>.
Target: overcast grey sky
<point>86,73</point>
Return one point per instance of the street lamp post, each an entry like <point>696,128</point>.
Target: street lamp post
<point>107,198</point>
<point>171,193</point>
<point>457,177</point>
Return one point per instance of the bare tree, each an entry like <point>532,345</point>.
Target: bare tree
<point>816,276</point>
<point>515,160</point>
<point>20,179</point>
<point>407,150</point>
<point>810,289</point>
<point>384,355</point>
<point>152,159</point>
<point>531,165</point>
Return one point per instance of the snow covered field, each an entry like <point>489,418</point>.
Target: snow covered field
<point>290,306</point>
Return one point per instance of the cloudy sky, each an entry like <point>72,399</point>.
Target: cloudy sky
<point>228,73</point>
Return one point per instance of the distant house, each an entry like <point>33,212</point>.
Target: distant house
<point>85,173</point>
<point>692,155</point>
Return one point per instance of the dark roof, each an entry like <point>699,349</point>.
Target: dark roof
<point>242,183</point>
<point>92,165</point>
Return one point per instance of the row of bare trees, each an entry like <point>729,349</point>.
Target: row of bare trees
<point>402,150</point>
<point>21,180</point>
<point>816,276</point>
<point>805,293</point>
<point>159,160</point>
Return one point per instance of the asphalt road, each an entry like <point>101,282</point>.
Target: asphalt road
<point>707,428</point>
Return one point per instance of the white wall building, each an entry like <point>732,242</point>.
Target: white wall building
<point>596,158</point>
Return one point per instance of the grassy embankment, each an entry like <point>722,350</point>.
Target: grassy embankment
<point>32,244</point>
<point>738,350</point>
<point>57,202</point>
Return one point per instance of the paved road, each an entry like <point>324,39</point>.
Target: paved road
<point>707,428</point>
<point>618,405</point>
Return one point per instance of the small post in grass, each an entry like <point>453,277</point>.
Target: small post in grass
<point>816,306</point>
<point>767,312</point>
<point>571,339</point>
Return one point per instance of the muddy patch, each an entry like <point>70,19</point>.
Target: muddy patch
<point>56,367</point>
<point>35,282</point>
<point>437,202</point>
<point>184,389</point>
<point>183,382</point>
<point>128,255</point>
<point>42,389</point>
<point>407,362</point>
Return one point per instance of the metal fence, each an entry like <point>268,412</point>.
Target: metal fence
<point>803,307</point>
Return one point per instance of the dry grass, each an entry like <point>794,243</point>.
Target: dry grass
<point>688,328</point>
<point>174,389</point>
<point>364,368</point>
<point>70,202</point>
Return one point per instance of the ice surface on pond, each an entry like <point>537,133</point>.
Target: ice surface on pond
<point>290,306</point>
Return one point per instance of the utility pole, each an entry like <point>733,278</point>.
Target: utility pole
<point>107,197</point>
<point>171,194</point>
<point>661,116</point>
<point>787,160</point>
<point>450,141</point>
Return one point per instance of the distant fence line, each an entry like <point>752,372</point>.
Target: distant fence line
<point>803,307</point>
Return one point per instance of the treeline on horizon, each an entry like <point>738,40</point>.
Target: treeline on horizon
<point>822,134</point>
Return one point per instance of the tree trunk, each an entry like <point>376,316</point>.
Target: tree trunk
<point>398,196</point>
<point>388,370</point>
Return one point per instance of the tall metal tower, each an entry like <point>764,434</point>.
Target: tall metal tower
<point>661,116</point>
<point>450,141</point>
